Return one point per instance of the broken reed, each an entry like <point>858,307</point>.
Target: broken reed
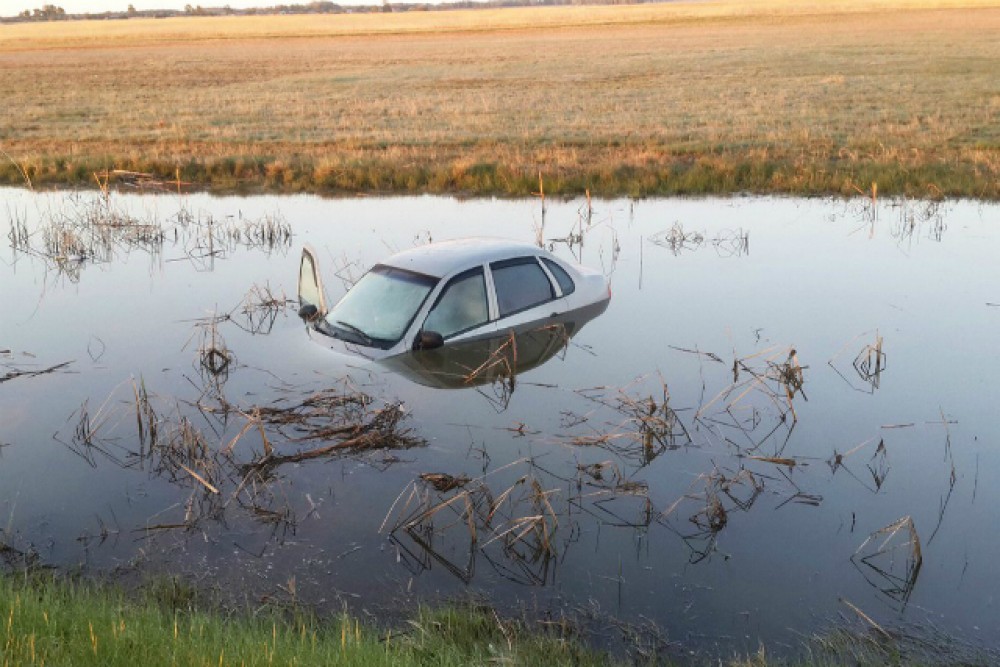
<point>168,445</point>
<point>648,426</point>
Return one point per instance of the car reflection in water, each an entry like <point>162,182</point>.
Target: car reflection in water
<point>483,361</point>
<point>457,313</point>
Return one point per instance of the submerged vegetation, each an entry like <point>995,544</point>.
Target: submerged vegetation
<point>691,98</point>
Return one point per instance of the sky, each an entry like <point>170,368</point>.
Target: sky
<point>12,7</point>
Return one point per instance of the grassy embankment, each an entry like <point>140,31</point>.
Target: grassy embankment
<point>48,620</point>
<point>54,622</point>
<point>792,96</point>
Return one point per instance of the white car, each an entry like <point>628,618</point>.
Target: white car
<point>452,292</point>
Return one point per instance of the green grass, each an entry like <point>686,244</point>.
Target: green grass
<point>777,96</point>
<point>51,621</point>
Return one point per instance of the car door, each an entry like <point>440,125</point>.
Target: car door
<point>525,294</point>
<point>462,310</point>
<point>312,300</point>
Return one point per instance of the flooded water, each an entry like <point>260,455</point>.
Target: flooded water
<point>787,412</point>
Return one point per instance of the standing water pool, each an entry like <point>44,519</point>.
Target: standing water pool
<point>786,416</point>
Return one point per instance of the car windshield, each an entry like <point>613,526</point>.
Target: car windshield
<point>380,307</point>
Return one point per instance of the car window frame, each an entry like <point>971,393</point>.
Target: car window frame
<point>447,283</point>
<point>323,326</point>
<point>554,279</point>
<point>554,290</point>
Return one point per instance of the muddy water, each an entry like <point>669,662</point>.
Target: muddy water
<point>774,381</point>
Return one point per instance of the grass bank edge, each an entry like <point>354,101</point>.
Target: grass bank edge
<point>55,620</point>
<point>680,175</point>
<point>48,618</point>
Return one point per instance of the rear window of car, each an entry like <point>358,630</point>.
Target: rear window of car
<point>520,283</point>
<point>565,282</point>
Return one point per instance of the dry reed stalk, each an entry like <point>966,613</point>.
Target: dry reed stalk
<point>867,619</point>
<point>791,463</point>
<point>541,195</point>
<point>443,482</point>
<point>20,169</point>
<point>20,372</point>
<point>253,420</point>
<point>199,478</point>
<point>837,459</point>
<point>502,363</point>
<point>147,421</point>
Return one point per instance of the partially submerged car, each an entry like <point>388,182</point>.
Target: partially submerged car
<point>442,294</point>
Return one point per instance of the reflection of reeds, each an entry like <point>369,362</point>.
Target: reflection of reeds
<point>914,216</point>
<point>268,231</point>
<point>677,240</point>
<point>642,427</point>
<point>501,367</point>
<point>541,196</point>
<point>709,503</point>
<point>727,243</point>
<point>732,243</point>
<point>18,236</point>
<point>439,512</point>
<point>185,450</point>
<point>869,363</point>
<point>86,231</point>
<point>214,357</point>
<point>88,438</point>
<point>604,485</point>
<point>16,372</point>
<point>147,420</point>
<point>890,559</point>
<point>98,229</point>
<point>776,380</point>
<point>170,447</point>
<point>259,309</point>
<point>878,464</point>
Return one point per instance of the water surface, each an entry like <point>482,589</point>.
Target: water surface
<point>774,381</point>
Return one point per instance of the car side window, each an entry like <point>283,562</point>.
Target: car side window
<point>520,283</point>
<point>461,306</point>
<point>565,282</point>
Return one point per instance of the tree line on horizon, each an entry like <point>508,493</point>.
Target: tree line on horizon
<point>56,13</point>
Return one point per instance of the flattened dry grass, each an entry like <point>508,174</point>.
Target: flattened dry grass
<point>778,96</point>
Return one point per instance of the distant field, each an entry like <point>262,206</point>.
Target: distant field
<point>694,97</point>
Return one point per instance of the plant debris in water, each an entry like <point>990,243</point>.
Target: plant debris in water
<point>89,229</point>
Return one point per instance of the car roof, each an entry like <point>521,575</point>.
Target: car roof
<point>445,257</point>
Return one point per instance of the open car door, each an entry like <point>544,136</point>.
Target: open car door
<point>312,302</point>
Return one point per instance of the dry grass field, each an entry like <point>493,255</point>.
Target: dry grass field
<point>712,96</point>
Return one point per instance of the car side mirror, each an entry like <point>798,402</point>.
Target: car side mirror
<point>309,312</point>
<point>428,340</point>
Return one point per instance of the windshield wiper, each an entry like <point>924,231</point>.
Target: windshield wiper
<point>365,337</point>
